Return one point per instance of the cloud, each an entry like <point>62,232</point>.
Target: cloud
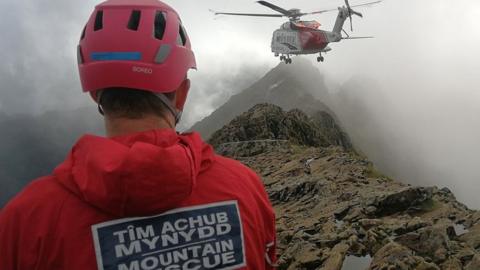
<point>421,114</point>
<point>424,60</point>
<point>38,55</point>
<point>38,69</point>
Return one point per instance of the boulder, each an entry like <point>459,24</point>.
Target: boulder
<point>431,242</point>
<point>396,256</point>
<point>336,257</point>
<point>410,198</point>
<point>474,264</point>
<point>472,237</point>
<point>417,223</point>
<point>452,264</point>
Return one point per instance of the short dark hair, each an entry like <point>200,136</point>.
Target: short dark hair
<point>132,103</point>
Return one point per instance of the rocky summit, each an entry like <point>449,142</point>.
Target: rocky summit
<point>335,211</point>
<point>288,86</point>
<point>266,122</point>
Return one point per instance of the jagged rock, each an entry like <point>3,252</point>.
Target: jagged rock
<point>327,242</point>
<point>295,192</point>
<point>331,130</point>
<point>395,256</point>
<point>374,241</point>
<point>452,264</point>
<point>342,212</point>
<point>405,199</point>
<point>307,257</point>
<point>473,219</point>
<point>431,242</point>
<point>354,214</point>
<point>416,224</point>
<point>369,223</point>
<point>446,193</point>
<point>265,122</point>
<point>339,205</point>
<point>371,210</point>
<point>472,238</point>
<point>356,247</point>
<point>249,148</point>
<point>474,264</point>
<point>465,255</point>
<point>336,257</point>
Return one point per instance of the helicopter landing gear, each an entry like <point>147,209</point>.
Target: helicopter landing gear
<point>320,58</point>
<point>286,59</point>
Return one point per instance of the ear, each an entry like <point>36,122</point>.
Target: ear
<point>181,95</point>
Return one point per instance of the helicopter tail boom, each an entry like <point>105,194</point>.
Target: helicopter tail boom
<point>341,18</point>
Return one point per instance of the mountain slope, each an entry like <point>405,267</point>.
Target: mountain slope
<point>288,86</point>
<point>335,211</point>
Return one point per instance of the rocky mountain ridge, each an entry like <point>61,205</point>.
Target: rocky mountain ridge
<point>287,86</point>
<point>335,211</point>
<point>270,122</point>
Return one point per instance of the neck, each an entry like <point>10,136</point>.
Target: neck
<point>123,126</point>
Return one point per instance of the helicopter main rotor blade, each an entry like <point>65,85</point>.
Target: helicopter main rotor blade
<point>274,7</point>
<point>367,4</point>
<point>335,9</point>
<point>248,14</point>
<point>357,37</point>
<point>320,11</point>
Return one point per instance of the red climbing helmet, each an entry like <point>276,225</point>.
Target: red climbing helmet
<point>139,44</point>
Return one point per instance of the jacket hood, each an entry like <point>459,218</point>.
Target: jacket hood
<point>135,175</point>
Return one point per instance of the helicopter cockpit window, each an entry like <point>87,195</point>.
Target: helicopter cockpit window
<point>287,26</point>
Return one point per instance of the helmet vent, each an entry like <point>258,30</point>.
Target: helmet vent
<point>80,59</point>
<point>98,21</point>
<point>134,21</point>
<point>182,36</point>
<point>160,24</point>
<point>83,32</point>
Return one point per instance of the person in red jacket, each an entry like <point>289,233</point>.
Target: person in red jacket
<point>145,197</point>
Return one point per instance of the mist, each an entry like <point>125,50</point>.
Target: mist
<point>415,84</point>
<point>410,98</point>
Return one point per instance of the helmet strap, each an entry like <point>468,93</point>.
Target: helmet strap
<point>177,114</point>
<point>100,110</point>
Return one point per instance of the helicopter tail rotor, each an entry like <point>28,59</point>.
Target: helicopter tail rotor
<point>352,12</point>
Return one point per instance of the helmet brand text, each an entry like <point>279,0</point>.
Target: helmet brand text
<point>144,70</point>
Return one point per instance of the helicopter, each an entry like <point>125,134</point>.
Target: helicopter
<point>297,37</point>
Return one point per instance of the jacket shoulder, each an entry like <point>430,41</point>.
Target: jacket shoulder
<point>30,215</point>
<point>44,191</point>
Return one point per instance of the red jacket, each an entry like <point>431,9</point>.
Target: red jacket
<point>152,200</point>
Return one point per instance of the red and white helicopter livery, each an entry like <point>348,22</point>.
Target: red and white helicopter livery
<point>297,37</point>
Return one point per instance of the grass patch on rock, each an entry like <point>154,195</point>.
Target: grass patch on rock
<point>372,172</point>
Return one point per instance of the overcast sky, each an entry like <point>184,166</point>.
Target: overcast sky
<point>425,59</point>
<point>415,39</point>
